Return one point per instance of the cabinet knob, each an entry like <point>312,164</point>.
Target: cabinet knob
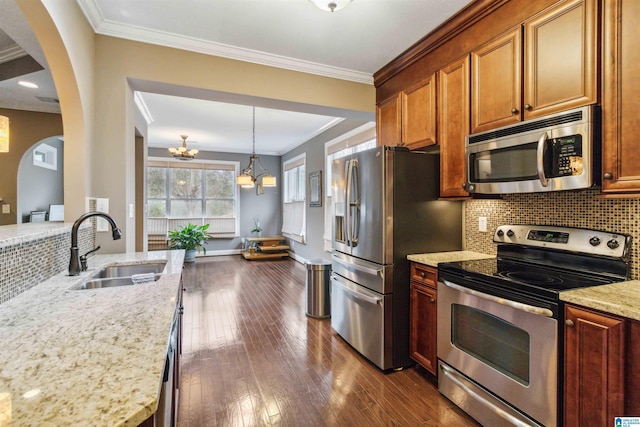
<point>528,107</point>
<point>514,111</point>
<point>422,274</point>
<point>607,175</point>
<point>569,323</point>
<point>433,301</point>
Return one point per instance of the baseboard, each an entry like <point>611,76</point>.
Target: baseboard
<point>297,257</point>
<point>220,252</point>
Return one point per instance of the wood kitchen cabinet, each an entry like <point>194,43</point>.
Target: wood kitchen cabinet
<point>423,316</point>
<point>560,68</point>
<point>621,91</point>
<point>453,126</point>
<point>409,117</point>
<point>594,367</point>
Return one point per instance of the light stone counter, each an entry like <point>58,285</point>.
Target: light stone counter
<point>622,299</point>
<point>433,259</point>
<point>87,357</point>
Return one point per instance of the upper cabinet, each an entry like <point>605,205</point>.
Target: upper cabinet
<point>560,67</point>
<point>409,117</point>
<point>621,91</point>
<point>453,126</point>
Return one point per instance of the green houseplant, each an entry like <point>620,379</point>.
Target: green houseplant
<point>190,238</point>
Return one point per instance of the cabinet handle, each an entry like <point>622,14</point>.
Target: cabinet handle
<point>608,175</point>
<point>514,111</point>
<point>528,107</point>
<point>569,323</point>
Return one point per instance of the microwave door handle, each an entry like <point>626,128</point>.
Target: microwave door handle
<point>540,158</point>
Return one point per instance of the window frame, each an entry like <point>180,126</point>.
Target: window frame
<point>294,201</point>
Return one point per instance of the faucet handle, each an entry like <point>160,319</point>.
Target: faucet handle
<point>83,258</point>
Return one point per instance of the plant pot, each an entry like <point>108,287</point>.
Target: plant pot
<point>190,255</point>
<point>257,234</point>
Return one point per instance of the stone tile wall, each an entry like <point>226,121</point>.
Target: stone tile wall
<point>28,263</point>
<point>570,209</point>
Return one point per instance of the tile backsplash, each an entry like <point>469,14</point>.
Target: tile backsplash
<point>570,209</point>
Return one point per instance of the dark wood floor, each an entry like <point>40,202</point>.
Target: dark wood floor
<point>252,358</point>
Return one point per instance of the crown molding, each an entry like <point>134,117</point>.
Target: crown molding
<point>11,53</point>
<point>162,38</point>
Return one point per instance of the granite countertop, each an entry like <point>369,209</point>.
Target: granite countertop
<point>433,259</point>
<point>87,357</point>
<point>622,298</point>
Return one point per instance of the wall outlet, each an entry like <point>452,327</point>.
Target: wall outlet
<point>482,224</point>
<point>6,208</point>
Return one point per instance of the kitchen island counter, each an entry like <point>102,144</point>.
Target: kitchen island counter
<point>433,259</point>
<point>622,298</point>
<point>87,357</point>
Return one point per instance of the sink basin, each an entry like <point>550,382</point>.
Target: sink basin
<point>111,282</point>
<point>120,275</point>
<point>128,270</point>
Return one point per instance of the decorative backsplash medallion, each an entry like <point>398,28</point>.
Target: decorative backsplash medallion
<point>564,208</point>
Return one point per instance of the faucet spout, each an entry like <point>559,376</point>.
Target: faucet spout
<point>75,265</point>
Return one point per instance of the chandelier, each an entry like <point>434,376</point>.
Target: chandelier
<point>251,175</point>
<point>182,153</point>
<point>331,5</point>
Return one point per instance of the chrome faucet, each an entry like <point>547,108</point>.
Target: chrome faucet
<point>78,263</point>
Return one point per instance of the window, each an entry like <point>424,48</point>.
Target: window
<point>180,193</point>
<point>363,138</point>
<point>293,202</point>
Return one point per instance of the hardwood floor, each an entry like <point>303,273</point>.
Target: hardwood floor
<point>251,357</point>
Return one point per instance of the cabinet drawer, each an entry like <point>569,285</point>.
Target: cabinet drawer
<point>424,274</point>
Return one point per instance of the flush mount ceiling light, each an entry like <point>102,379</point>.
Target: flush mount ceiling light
<point>250,175</point>
<point>182,153</point>
<point>30,85</point>
<point>331,5</point>
<point>4,134</point>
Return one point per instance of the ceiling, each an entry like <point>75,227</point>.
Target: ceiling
<point>350,44</point>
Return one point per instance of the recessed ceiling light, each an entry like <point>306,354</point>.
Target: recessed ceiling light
<point>28,84</point>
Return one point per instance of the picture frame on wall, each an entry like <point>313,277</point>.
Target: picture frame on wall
<point>315,189</point>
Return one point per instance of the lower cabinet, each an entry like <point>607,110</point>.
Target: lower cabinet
<point>594,367</point>
<point>423,316</point>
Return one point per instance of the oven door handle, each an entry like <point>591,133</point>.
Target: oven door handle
<point>540,157</point>
<point>449,373</point>
<point>517,305</point>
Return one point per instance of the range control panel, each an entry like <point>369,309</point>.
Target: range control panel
<point>593,242</point>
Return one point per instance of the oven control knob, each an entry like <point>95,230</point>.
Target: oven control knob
<point>594,241</point>
<point>500,233</point>
<point>510,233</point>
<point>613,244</point>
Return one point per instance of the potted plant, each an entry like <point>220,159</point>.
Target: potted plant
<point>257,230</point>
<point>190,238</point>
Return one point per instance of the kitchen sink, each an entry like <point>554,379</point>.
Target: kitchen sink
<point>111,282</point>
<point>123,275</point>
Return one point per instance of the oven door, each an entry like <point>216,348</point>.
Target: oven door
<point>507,348</point>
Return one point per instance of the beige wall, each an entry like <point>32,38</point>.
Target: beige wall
<point>26,128</point>
<point>91,75</point>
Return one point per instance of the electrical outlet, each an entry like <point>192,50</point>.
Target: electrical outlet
<point>482,224</point>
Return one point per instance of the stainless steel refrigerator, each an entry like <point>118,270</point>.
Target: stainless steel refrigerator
<point>386,207</point>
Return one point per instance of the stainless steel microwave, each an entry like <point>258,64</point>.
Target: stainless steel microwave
<point>552,153</point>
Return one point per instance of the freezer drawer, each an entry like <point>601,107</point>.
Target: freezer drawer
<point>363,319</point>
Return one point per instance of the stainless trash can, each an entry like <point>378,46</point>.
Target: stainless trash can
<point>318,300</point>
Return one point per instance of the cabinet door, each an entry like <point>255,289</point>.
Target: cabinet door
<point>419,114</point>
<point>388,121</point>
<point>423,318</point>
<point>496,82</point>
<point>561,60</point>
<point>453,126</point>
<point>594,368</point>
<point>621,91</point>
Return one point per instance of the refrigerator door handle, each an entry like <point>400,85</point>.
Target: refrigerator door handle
<point>356,294</point>
<point>347,201</point>
<point>364,269</point>
<point>355,204</point>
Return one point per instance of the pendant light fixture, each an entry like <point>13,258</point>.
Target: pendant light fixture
<point>183,153</point>
<point>331,5</point>
<point>250,175</point>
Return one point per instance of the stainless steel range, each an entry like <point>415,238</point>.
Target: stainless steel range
<point>499,333</point>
